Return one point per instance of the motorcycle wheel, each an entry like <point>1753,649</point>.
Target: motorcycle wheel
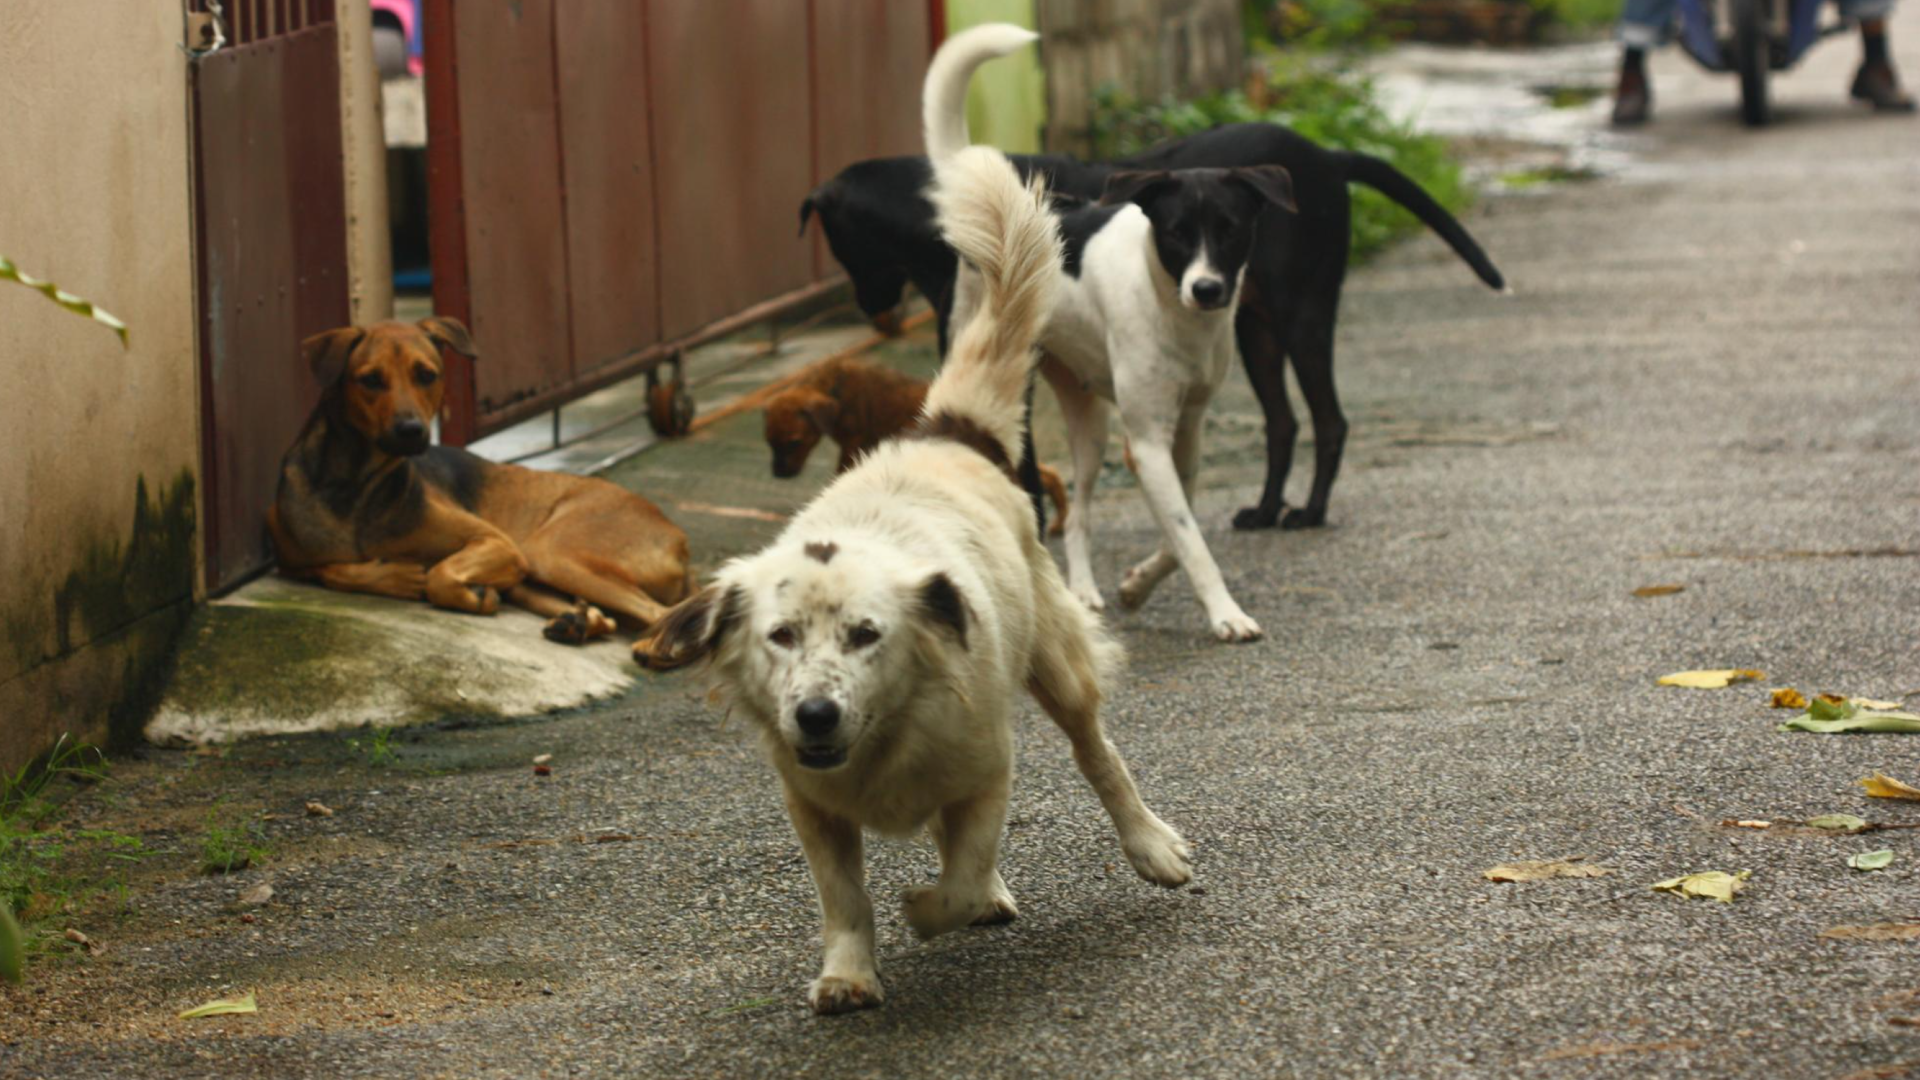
<point>1750,59</point>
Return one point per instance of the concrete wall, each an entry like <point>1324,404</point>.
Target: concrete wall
<point>1147,49</point>
<point>98,445</point>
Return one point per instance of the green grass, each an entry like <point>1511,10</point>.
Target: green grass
<point>50,872</point>
<point>231,845</point>
<point>377,748</point>
<point>1334,108</point>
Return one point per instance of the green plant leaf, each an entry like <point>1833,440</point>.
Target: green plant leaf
<point>13,947</point>
<point>75,304</point>
<point>1871,860</point>
<point>223,1007</point>
<point>1842,822</point>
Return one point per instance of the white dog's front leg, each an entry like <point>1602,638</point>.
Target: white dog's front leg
<point>1086,419</point>
<point>1161,482</point>
<point>970,889</point>
<point>848,977</point>
<point>1147,574</point>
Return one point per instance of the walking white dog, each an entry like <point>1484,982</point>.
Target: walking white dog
<point>1148,291</point>
<point>880,643</point>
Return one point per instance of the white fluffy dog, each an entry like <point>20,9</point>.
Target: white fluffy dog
<point>880,643</point>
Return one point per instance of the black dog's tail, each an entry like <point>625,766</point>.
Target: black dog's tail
<point>1396,185</point>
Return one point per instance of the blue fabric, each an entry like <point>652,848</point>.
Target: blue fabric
<point>1647,24</point>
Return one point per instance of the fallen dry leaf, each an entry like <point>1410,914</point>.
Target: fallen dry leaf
<point>1711,680</point>
<point>1871,860</point>
<point>1874,704</point>
<point>315,809</point>
<point>1658,590</point>
<point>1573,866</point>
<point>92,947</point>
<point>1748,823</point>
<point>1788,698</point>
<point>223,1007</point>
<point>1829,717</point>
<point>256,896</point>
<point>542,759</point>
<point>1886,931</point>
<point>1841,822</point>
<point>1715,884</point>
<point>1882,786</point>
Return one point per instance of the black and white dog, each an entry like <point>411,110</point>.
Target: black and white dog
<point>1148,287</point>
<point>881,229</point>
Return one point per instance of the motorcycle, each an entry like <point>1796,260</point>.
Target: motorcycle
<point>1754,38</point>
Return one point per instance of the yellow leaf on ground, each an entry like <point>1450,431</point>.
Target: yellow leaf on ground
<point>1573,866</point>
<point>1711,680</point>
<point>1886,931</point>
<point>1711,883</point>
<point>1788,698</point>
<point>223,1007</point>
<point>1882,786</point>
<point>1658,590</point>
<point>1874,704</point>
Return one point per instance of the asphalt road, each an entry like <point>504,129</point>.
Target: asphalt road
<point>1709,375</point>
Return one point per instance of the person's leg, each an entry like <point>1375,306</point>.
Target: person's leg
<point>1876,82</point>
<point>1644,25</point>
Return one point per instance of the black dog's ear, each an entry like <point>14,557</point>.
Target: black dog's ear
<point>449,334</point>
<point>1126,187</point>
<point>692,630</point>
<point>942,605</point>
<point>1271,182</point>
<point>326,354</point>
<point>806,211</point>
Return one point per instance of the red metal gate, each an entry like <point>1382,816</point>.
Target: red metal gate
<point>613,179</point>
<point>270,209</point>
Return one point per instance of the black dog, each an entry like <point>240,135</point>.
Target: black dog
<point>881,229</point>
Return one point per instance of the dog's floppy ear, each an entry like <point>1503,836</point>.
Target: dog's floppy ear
<point>692,630</point>
<point>326,354</point>
<point>942,605</point>
<point>806,211</point>
<point>822,411</point>
<point>1271,182</point>
<point>449,334</point>
<point>1126,187</point>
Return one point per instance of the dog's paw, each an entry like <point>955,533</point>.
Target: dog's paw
<point>831,994</point>
<point>579,626</point>
<point>1303,518</point>
<point>1089,595</point>
<point>1140,581</point>
<point>1236,627</point>
<point>486,599</point>
<point>932,911</point>
<point>1255,517</point>
<point>1159,855</point>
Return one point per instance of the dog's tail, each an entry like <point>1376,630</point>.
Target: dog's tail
<point>944,100</point>
<point>1396,185</point>
<point>1003,230</point>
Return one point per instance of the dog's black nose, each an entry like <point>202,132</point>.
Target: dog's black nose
<point>1209,292</point>
<point>817,716</point>
<point>409,429</point>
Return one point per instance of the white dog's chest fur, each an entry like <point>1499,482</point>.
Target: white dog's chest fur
<point>1123,302</point>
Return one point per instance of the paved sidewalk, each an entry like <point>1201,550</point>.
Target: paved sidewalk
<point>1709,375</point>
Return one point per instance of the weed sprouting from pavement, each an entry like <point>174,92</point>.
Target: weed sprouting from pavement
<point>230,846</point>
<point>378,749</point>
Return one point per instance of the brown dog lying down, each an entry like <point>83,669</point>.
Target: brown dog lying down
<point>859,405</point>
<point>366,505</point>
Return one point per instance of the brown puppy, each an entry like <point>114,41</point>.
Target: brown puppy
<point>859,405</point>
<point>367,505</point>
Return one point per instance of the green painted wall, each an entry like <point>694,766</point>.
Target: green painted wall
<point>1007,107</point>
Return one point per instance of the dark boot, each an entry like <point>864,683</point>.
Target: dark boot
<point>1876,81</point>
<point>1633,98</point>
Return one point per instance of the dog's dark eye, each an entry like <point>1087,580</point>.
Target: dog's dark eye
<point>425,376</point>
<point>862,636</point>
<point>783,636</point>
<point>373,381</point>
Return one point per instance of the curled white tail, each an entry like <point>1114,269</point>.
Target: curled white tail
<point>943,101</point>
<point>1005,233</point>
